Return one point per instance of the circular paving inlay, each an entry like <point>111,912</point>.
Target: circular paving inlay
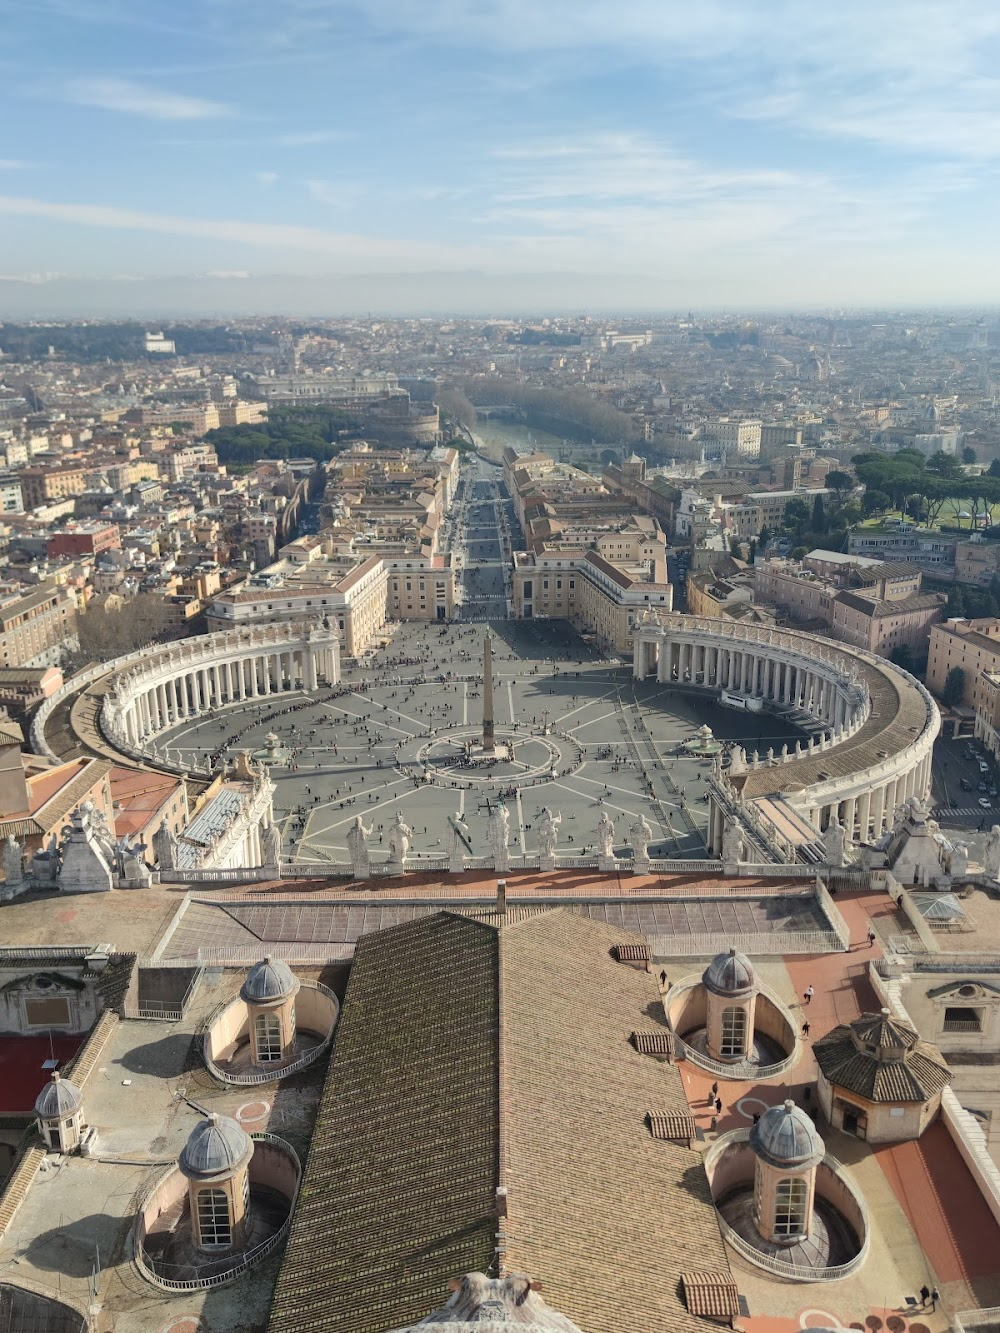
<point>253,1111</point>
<point>455,757</point>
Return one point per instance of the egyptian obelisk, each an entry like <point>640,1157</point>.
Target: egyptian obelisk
<point>488,694</point>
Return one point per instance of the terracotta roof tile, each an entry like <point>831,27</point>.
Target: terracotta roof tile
<point>711,1295</point>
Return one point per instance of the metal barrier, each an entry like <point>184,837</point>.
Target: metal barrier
<point>267,1075</point>
<point>245,1261</point>
<point>781,1267</point>
<point>977,1321</point>
<point>744,1070</point>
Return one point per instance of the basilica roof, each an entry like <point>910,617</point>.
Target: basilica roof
<point>882,1059</point>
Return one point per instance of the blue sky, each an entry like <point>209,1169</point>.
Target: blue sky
<point>712,152</point>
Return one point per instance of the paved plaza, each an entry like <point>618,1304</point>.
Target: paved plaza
<point>393,737</point>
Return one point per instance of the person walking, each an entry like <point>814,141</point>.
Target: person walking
<point>805,1029</point>
<point>718,1106</point>
<point>809,993</point>
<point>925,1294</point>
<point>871,936</point>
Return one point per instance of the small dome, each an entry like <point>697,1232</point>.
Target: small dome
<point>58,1099</point>
<point>785,1136</point>
<point>730,974</point>
<point>269,981</point>
<point>216,1146</point>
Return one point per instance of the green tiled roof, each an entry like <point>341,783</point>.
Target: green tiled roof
<point>399,1190</point>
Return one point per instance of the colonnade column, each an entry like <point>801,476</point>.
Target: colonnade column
<point>864,816</point>
<point>878,812</point>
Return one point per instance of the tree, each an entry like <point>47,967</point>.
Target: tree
<point>954,687</point>
<point>797,516</point>
<point>114,629</point>
<point>995,468</point>
<point>903,657</point>
<point>764,539</point>
<point>841,482</point>
<point>875,502</point>
<point>969,455</point>
<point>753,551</point>
<point>799,552</point>
<point>819,523</point>
<point>945,465</point>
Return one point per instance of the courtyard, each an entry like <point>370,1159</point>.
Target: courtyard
<point>398,737</point>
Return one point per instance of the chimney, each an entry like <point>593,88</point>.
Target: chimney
<point>502,896</point>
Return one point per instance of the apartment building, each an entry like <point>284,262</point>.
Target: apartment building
<point>868,603</point>
<point>36,627</point>
<point>358,592</point>
<point>973,645</point>
<point>771,505</point>
<point>740,439</point>
<point>83,539</point>
<point>40,485</point>
<point>931,551</point>
<point>599,596</point>
<point>11,495</point>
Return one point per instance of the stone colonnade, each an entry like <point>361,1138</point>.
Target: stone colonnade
<point>199,675</point>
<point>754,671</point>
<point>799,672</point>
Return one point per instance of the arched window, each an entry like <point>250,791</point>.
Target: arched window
<point>268,1030</point>
<point>734,1031</point>
<point>214,1225</point>
<point>790,1207</point>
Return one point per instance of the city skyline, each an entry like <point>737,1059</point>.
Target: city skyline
<point>352,156</point>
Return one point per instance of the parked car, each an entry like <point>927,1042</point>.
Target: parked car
<point>966,784</point>
<point>985,803</point>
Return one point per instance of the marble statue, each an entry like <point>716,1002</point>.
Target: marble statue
<point>165,847</point>
<point>605,835</point>
<point>13,864</point>
<point>991,859</point>
<point>399,840</point>
<point>733,847</point>
<point>548,832</point>
<point>835,843</point>
<point>132,867</point>
<point>461,838</point>
<point>958,861</point>
<point>271,845</point>
<point>737,761</point>
<point>641,835</point>
<point>357,845</point>
<point>500,837</point>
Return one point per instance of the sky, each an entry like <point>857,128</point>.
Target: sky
<point>477,155</point>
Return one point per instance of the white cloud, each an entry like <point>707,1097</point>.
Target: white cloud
<point>266,177</point>
<point>14,164</point>
<point>307,137</point>
<point>912,75</point>
<point>143,100</point>
<point>340,246</point>
<point>336,194</point>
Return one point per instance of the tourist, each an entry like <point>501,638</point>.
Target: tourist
<point>809,993</point>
